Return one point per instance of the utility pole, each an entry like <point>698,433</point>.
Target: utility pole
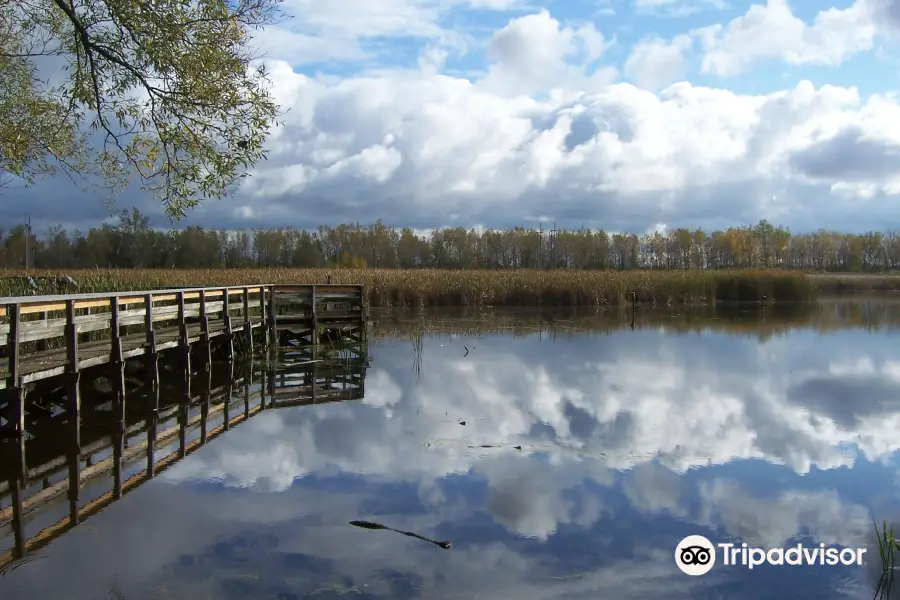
<point>540,245</point>
<point>553,233</point>
<point>29,258</point>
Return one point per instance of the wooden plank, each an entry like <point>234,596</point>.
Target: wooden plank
<point>46,329</point>
<point>38,304</point>
<point>44,304</point>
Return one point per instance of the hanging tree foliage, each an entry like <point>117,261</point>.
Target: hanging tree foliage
<point>164,90</point>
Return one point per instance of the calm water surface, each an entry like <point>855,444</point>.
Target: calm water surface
<point>608,445</point>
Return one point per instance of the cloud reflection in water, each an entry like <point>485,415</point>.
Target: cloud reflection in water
<point>629,442</point>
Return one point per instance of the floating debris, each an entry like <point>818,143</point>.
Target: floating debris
<point>371,525</point>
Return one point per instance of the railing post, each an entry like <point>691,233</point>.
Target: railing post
<point>115,331</point>
<point>363,312</point>
<point>14,390</point>
<point>183,340</point>
<point>262,313</point>
<point>71,332</point>
<point>12,311</point>
<point>204,331</point>
<point>273,318</point>
<point>248,324</point>
<point>204,319</point>
<point>226,321</point>
<point>148,325</point>
<point>19,477</point>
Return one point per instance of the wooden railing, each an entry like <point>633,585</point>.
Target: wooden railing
<point>76,331</point>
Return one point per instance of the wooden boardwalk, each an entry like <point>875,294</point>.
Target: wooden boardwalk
<point>66,355</point>
<point>48,336</point>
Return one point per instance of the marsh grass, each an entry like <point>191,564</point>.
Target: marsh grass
<point>888,545</point>
<point>841,283</point>
<point>470,287</point>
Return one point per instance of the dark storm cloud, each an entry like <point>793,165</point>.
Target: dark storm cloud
<point>849,155</point>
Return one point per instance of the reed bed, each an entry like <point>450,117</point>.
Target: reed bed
<point>841,283</point>
<point>763,322</point>
<point>473,288</point>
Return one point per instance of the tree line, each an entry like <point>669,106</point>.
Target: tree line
<point>133,243</point>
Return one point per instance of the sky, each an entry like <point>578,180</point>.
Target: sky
<point>625,115</point>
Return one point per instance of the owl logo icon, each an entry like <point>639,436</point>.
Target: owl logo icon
<point>695,555</point>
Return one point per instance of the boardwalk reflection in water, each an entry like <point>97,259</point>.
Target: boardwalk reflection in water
<point>559,463</point>
<point>88,461</point>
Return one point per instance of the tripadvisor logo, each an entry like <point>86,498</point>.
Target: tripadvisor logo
<point>696,555</point>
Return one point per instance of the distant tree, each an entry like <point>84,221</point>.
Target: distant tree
<point>166,87</point>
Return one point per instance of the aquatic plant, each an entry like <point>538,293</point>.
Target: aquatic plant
<point>888,545</point>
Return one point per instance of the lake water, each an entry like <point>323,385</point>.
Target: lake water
<point>562,456</point>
